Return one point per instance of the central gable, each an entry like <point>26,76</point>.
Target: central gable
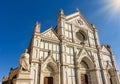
<point>78,20</point>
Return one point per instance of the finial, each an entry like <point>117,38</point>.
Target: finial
<point>37,22</point>
<point>61,12</point>
<point>37,27</point>
<point>26,50</point>
<point>77,10</point>
<point>93,25</point>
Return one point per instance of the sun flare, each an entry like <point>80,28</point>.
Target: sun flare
<point>111,9</point>
<point>113,6</point>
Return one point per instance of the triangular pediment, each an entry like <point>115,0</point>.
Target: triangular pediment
<point>48,60</point>
<point>50,34</point>
<point>83,52</point>
<point>78,20</point>
<point>105,50</point>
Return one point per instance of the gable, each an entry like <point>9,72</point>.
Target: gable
<point>50,34</point>
<point>83,53</point>
<point>78,20</point>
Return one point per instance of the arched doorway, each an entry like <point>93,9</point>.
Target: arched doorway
<point>85,73</point>
<point>48,80</point>
<point>50,74</point>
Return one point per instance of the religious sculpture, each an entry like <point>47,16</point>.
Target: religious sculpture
<point>24,61</point>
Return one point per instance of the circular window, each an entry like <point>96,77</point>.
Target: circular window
<point>81,35</point>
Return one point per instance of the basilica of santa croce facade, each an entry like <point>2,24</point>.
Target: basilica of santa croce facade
<point>70,53</point>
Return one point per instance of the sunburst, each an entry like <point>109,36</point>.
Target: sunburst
<point>113,6</point>
<point>111,9</point>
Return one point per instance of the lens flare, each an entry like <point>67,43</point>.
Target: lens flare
<point>110,8</point>
<point>114,5</point>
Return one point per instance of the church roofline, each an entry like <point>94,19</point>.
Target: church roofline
<point>75,14</point>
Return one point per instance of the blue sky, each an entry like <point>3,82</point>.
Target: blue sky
<point>18,17</point>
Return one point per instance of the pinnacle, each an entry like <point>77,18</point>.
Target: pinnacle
<point>77,10</point>
<point>61,12</point>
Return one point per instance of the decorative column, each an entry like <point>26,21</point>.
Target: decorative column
<point>63,64</point>
<point>77,67</point>
<point>78,75</point>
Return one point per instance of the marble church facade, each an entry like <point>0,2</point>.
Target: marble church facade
<point>70,53</point>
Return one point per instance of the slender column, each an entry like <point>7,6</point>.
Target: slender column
<point>62,63</point>
<point>58,64</point>
<point>98,77</point>
<point>41,79</point>
<point>78,76</point>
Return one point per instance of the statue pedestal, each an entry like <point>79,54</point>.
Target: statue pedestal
<point>23,78</point>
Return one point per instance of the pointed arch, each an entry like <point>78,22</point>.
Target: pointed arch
<point>88,62</point>
<point>85,66</point>
<point>50,72</point>
<point>49,61</point>
<point>53,66</point>
<point>83,55</point>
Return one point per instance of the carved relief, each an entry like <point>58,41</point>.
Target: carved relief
<point>50,34</point>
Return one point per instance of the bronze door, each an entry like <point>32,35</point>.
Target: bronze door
<point>84,79</point>
<point>48,80</point>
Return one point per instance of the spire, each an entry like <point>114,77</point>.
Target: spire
<point>37,27</point>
